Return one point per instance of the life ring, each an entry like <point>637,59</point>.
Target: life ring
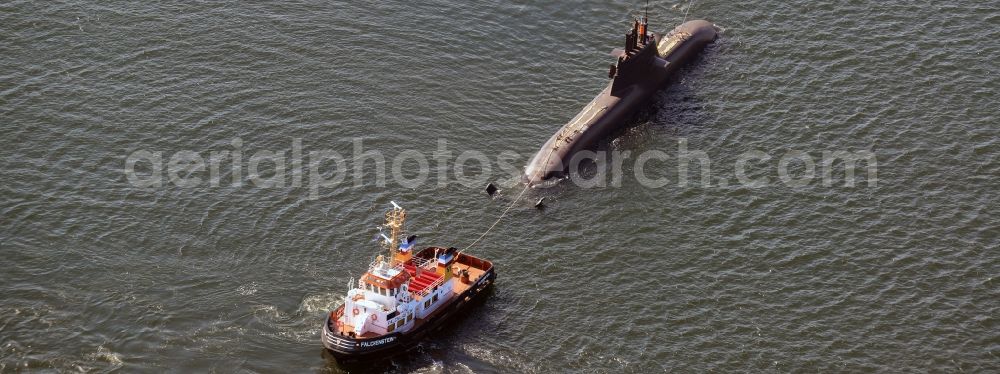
<point>358,296</point>
<point>356,311</point>
<point>374,318</point>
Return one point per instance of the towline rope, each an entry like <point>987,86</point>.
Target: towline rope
<point>523,190</point>
<point>516,199</point>
<point>690,4</point>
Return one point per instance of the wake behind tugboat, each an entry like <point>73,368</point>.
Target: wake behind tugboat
<point>403,296</point>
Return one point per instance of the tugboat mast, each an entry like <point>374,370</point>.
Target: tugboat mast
<point>394,219</point>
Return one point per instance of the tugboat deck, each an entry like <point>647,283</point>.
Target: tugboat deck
<point>474,275</point>
<point>464,263</point>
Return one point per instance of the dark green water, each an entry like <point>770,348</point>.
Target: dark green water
<point>97,274</point>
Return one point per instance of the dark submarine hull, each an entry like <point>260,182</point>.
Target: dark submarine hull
<point>641,71</point>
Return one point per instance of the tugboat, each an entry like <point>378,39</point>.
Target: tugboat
<point>404,295</point>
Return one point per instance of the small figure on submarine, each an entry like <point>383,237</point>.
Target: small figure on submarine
<point>644,66</point>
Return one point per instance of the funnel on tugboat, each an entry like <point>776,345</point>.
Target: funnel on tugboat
<point>644,66</point>
<point>405,294</point>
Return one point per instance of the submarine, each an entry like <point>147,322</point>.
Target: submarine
<point>644,66</point>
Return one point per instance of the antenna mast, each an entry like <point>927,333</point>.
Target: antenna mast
<point>644,25</point>
<point>394,219</point>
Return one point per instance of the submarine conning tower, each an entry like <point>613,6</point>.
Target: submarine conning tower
<point>636,61</point>
<point>644,66</point>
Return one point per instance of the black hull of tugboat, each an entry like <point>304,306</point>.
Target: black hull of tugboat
<point>347,350</point>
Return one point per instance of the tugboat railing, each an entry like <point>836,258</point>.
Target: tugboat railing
<point>426,263</point>
<point>430,287</point>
